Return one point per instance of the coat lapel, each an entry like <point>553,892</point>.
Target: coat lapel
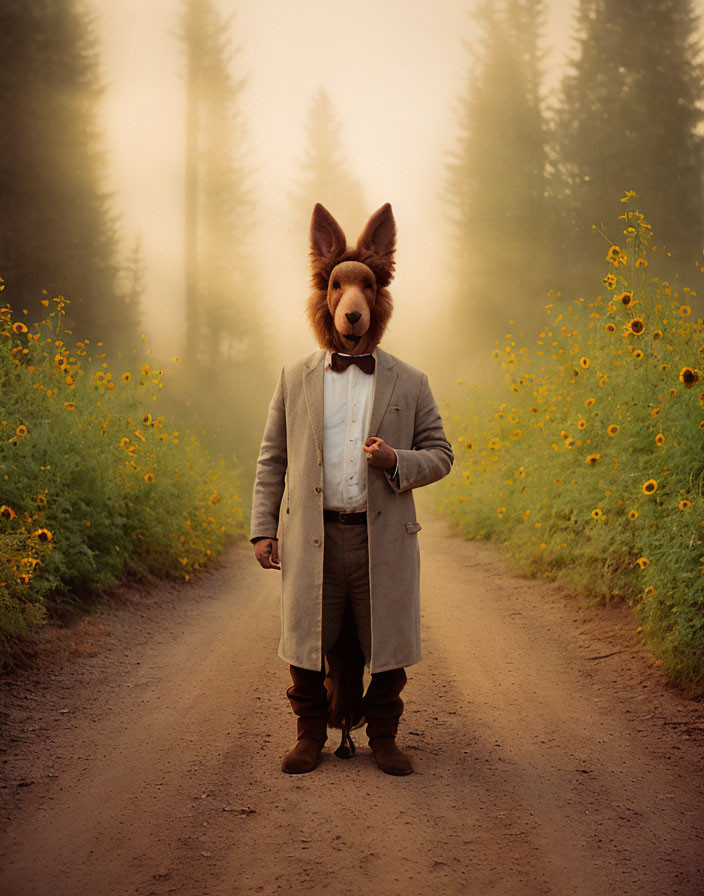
<point>386,376</point>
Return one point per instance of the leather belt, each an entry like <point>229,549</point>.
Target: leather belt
<point>347,518</point>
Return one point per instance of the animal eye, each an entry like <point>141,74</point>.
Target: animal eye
<point>335,284</point>
<point>368,285</point>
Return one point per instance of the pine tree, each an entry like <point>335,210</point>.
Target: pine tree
<point>58,232</point>
<point>325,174</point>
<point>628,116</point>
<point>496,180</point>
<point>225,342</point>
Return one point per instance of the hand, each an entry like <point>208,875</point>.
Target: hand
<point>379,454</point>
<point>266,550</point>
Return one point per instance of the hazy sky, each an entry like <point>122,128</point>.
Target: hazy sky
<point>394,69</point>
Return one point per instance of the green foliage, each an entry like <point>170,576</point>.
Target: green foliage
<point>93,485</point>
<point>586,457</point>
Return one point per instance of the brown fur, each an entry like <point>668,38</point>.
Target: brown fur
<point>375,248</point>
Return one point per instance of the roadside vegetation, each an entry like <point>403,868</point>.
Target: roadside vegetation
<point>585,456</point>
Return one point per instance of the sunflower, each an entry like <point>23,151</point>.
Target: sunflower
<point>589,402</point>
<point>633,515</point>
<point>596,513</point>
<point>638,354</point>
<point>641,263</point>
<point>70,405</point>
<point>610,328</point>
<point>616,255</point>
<point>649,487</point>
<point>19,327</point>
<point>43,535</point>
<point>149,477</point>
<point>592,459</point>
<point>649,591</point>
<point>7,512</point>
<point>657,334</point>
<point>584,362</point>
<point>569,442</point>
<point>147,419</point>
<point>655,412</point>
<point>581,423</point>
<point>626,298</point>
<point>684,504</point>
<point>685,310</point>
<point>21,430</point>
<point>610,281</point>
<point>126,376</point>
<point>612,429</point>
<point>636,326</point>
<point>659,439</point>
<point>146,370</point>
<point>689,376</point>
<point>643,562</point>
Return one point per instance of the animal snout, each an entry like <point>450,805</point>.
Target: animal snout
<point>353,316</point>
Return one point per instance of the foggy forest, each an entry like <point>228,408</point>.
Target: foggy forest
<point>160,163</point>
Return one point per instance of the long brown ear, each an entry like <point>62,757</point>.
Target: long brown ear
<point>327,239</point>
<point>377,243</point>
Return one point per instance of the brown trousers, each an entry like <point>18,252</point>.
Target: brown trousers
<point>346,577</point>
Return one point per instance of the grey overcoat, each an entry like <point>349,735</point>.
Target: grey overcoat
<point>287,503</point>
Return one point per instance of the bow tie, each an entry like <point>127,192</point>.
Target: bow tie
<point>342,362</point>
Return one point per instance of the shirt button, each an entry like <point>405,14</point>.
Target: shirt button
<point>316,541</point>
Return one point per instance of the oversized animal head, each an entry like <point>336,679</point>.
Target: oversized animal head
<point>350,305</point>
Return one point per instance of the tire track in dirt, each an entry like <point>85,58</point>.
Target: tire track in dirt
<point>538,769</point>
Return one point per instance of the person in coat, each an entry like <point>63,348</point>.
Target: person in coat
<point>351,431</point>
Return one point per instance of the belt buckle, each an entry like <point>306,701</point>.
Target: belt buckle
<point>343,516</point>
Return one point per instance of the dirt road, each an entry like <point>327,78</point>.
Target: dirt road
<point>550,758</point>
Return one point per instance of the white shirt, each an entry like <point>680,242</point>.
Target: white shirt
<point>348,401</point>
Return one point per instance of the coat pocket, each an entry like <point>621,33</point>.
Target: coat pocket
<point>413,527</point>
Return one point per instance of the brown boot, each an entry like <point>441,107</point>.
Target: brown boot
<point>383,708</point>
<point>389,758</point>
<point>309,702</point>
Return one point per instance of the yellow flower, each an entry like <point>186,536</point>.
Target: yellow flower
<point>7,512</point>
<point>641,263</point>
<point>649,487</point>
<point>581,423</point>
<point>147,419</point>
<point>589,402</point>
<point>629,194</point>
<point>584,362</point>
<point>149,477</point>
<point>146,370</point>
<point>126,376</point>
<point>610,328</point>
<point>21,430</point>
<point>592,459</point>
<point>633,515</point>
<point>626,298</point>
<point>610,281</point>
<point>685,310</point>
<point>689,376</point>
<point>596,513</point>
<point>684,504</point>
<point>655,412</point>
<point>636,326</point>
<point>657,334</point>
<point>43,535</point>
<point>70,405</point>
<point>643,562</point>
<point>615,255</point>
<point>638,354</point>
<point>612,429</point>
<point>19,327</point>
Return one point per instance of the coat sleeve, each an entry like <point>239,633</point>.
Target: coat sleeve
<point>431,456</point>
<point>270,474</point>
